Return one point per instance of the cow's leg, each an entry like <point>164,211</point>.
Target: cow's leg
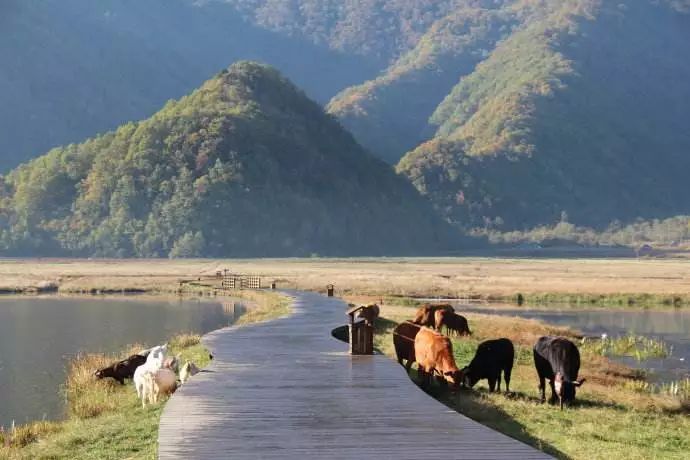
<point>542,389</point>
<point>506,376</point>
<point>498,381</point>
<point>492,384</point>
<point>553,398</point>
<point>422,376</point>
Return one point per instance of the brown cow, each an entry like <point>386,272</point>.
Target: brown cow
<point>403,340</point>
<point>425,314</point>
<point>434,353</point>
<point>369,314</point>
<point>453,322</point>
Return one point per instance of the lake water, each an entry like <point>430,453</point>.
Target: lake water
<point>673,327</point>
<point>38,336</point>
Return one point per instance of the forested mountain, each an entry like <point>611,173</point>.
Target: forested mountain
<point>246,165</point>
<point>505,113</point>
<point>73,68</point>
<point>581,113</point>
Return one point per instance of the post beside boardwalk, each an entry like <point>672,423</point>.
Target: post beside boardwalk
<point>287,389</point>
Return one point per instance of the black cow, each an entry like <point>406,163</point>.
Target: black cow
<point>492,357</point>
<point>558,360</point>
<point>403,339</point>
<point>122,370</point>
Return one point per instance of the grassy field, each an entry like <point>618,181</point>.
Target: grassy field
<point>106,420</point>
<point>624,282</point>
<point>614,417</point>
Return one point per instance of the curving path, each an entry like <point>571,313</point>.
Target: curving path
<point>287,389</point>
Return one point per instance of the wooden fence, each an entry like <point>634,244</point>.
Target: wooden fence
<point>234,281</point>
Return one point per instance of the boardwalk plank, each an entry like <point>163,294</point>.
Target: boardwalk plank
<point>286,389</point>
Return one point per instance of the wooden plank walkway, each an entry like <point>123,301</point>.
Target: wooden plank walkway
<point>287,389</point>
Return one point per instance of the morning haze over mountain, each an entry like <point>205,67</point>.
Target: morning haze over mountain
<point>464,114</point>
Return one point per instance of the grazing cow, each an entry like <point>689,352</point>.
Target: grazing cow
<point>558,360</point>
<point>492,357</point>
<point>121,370</point>
<point>156,383</point>
<point>453,322</point>
<point>188,370</point>
<point>404,341</point>
<point>425,316</point>
<point>369,314</point>
<point>434,353</point>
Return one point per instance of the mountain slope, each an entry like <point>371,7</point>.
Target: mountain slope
<point>73,68</point>
<point>399,102</point>
<point>244,166</point>
<point>581,113</point>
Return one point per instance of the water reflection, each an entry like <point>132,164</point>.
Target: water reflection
<point>39,335</point>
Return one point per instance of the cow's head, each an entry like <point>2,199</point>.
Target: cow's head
<point>103,373</point>
<point>468,378</point>
<point>453,377</point>
<point>565,389</point>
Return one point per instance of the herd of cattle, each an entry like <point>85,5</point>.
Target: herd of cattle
<point>153,372</point>
<point>420,341</point>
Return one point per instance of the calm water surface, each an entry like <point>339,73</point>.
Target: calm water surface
<point>673,327</point>
<point>38,336</point>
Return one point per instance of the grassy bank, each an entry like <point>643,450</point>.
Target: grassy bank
<point>106,420</point>
<point>616,416</point>
<point>627,283</point>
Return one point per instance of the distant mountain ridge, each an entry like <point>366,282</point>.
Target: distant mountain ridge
<point>506,114</point>
<point>244,166</point>
<point>578,114</point>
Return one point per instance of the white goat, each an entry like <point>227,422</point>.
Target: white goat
<point>188,370</point>
<point>154,361</point>
<point>156,383</point>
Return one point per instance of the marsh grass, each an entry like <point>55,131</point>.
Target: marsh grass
<point>607,282</point>
<point>99,408</point>
<point>265,306</point>
<point>105,419</point>
<point>635,346</point>
<point>617,413</point>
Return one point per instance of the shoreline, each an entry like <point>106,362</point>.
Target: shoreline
<point>599,283</point>
<point>23,440</point>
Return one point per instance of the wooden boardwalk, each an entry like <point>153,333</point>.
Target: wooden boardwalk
<point>287,389</point>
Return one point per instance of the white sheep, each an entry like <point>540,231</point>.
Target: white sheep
<point>188,370</point>
<point>154,362</point>
<point>156,383</point>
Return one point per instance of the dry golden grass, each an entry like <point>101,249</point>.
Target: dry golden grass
<point>482,277</point>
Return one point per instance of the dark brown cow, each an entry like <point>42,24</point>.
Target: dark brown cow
<point>434,354</point>
<point>453,322</point>
<point>425,314</point>
<point>403,339</point>
<point>369,314</point>
<point>122,370</point>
